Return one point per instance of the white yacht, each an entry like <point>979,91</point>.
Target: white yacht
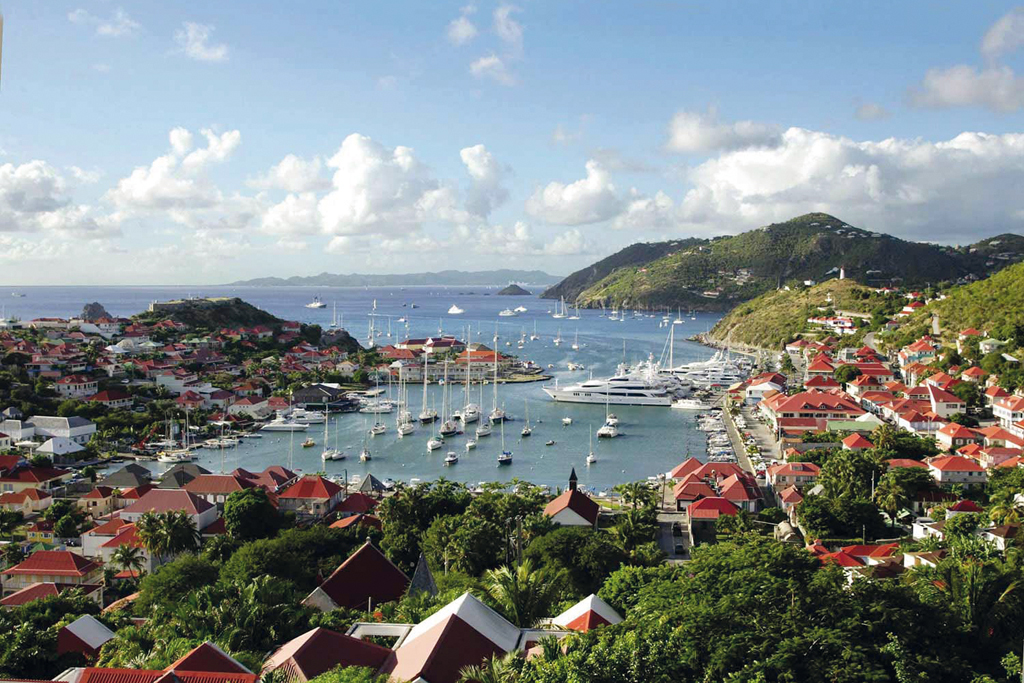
<point>619,390</point>
<point>520,309</point>
<point>308,417</point>
<point>283,424</point>
<point>316,303</point>
<point>451,458</point>
<point>608,431</point>
<point>507,313</point>
<point>455,310</point>
<point>690,404</point>
<point>483,430</point>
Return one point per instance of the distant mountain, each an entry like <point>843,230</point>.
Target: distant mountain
<point>719,273</point>
<point>514,290</point>
<point>458,278</point>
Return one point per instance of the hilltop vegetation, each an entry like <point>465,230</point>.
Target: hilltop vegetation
<point>994,305</point>
<point>719,273</point>
<point>774,318</point>
<point>212,314</point>
<point>481,278</point>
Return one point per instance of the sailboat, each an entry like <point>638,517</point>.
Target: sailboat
<point>497,414</point>
<point>679,317</point>
<point>609,430</point>
<point>484,428</point>
<point>559,308</point>
<point>330,453</point>
<point>534,336</point>
<point>471,411</point>
<point>576,313</point>
<point>403,423</point>
<point>426,415</point>
<point>576,341</point>
<point>558,337</point>
<point>433,443</point>
<point>448,426</point>
<point>591,458</point>
<point>506,456</point>
<point>455,310</point>
<point>526,430</point>
<point>364,455</point>
<point>378,427</point>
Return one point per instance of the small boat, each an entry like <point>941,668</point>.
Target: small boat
<point>451,458</point>
<point>471,444</point>
<point>308,443</point>
<point>434,443</point>
<point>549,442</point>
<point>174,456</point>
<point>566,421</point>
<point>608,432</point>
<point>377,429</point>
<point>520,309</point>
<point>591,458</point>
<point>505,458</point>
<point>455,310</point>
<point>404,429</point>
<point>364,455</point>
<point>690,404</point>
<point>526,430</point>
<point>316,303</point>
<point>612,419</point>
<point>483,430</point>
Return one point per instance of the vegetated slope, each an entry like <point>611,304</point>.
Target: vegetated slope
<point>770,320</point>
<point>720,273</point>
<point>213,314</point>
<point>633,255</point>
<point>993,305</point>
<point>481,278</point>
<point>514,290</point>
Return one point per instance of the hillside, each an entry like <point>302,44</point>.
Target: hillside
<point>770,320</point>
<point>514,290</point>
<point>481,278</point>
<point>211,314</point>
<point>719,273</point>
<point>994,305</point>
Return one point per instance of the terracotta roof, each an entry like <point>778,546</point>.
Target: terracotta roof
<point>34,474</point>
<point>578,502</point>
<point>905,462</point>
<point>320,650</point>
<point>587,614</point>
<point>790,495</point>
<point>312,486</point>
<point>684,468</point>
<point>19,497</point>
<point>99,492</point>
<point>217,484</point>
<point>356,520</point>
<point>208,658</point>
<point>711,508</point>
<point>166,500</point>
<point>955,463</point>
<point>965,506</point>
<point>44,590</point>
<point>367,573</point>
<point>357,502</point>
<point>54,563</point>
<point>857,441</point>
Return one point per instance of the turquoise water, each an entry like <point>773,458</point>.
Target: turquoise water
<point>653,440</point>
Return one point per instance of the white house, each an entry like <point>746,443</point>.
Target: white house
<point>956,469</point>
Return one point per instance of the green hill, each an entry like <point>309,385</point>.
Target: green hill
<point>719,273</point>
<point>771,319</point>
<point>212,313</point>
<point>994,305</point>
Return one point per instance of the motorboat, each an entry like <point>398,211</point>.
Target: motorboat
<point>316,303</point>
<point>549,442</point>
<point>690,404</point>
<point>507,313</point>
<point>307,416</point>
<point>566,421</point>
<point>623,389</point>
<point>283,424</point>
<point>471,413</point>
<point>451,458</point>
<point>471,444</point>
<point>308,443</point>
<point>607,431</point>
<point>520,309</point>
<point>364,455</point>
<point>455,310</point>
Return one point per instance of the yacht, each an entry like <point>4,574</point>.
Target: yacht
<point>283,424</point>
<point>690,404</point>
<point>471,444</point>
<point>507,313</point>
<point>329,453</point>
<point>307,416</point>
<point>174,456</point>
<point>520,309</point>
<point>483,430</point>
<point>607,431</point>
<point>404,429</point>
<point>566,421</point>
<point>364,455</point>
<point>427,415</point>
<point>560,310</point>
<point>451,458</point>
<point>377,429</point>
<point>434,443</point>
<point>316,303</point>
<point>455,310</point>
<point>621,389</point>
<point>612,419</point>
<point>505,458</point>
<point>591,458</point>
<point>526,430</point>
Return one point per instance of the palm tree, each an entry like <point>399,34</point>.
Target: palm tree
<point>637,494</point>
<point>182,535</point>
<point>892,497</point>
<point>1005,509</point>
<point>129,558</point>
<point>498,669</point>
<point>885,436</point>
<point>523,594</point>
<point>153,535</point>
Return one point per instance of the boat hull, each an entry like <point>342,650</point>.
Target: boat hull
<point>566,396</point>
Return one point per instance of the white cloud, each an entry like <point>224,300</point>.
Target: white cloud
<point>492,66</point>
<point>1004,36</point>
<point>486,192</point>
<point>508,29</point>
<point>293,174</point>
<point>569,243</point>
<point>518,240</point>
<point>297,214</point>
<point>691,131</point>
<point>955,190</point>
<point>461,30</point>
<point>194,41</point>
<point>871,111</point>
<point>16,250</point>
<point>85,177</point>
<point>174,181</point>
<point>377,190</point>
<point>648,213</point>
<point>996,88</point>
<point>588,200</point>
<point>34,198</point>
<point>119,24</point>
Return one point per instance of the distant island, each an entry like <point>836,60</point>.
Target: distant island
<point>514,290</point>
<point>457,278</point>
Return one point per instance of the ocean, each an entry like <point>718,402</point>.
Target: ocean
<point>652,441</point>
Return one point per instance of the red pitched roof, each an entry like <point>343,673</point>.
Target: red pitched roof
<point>711,508</point>
<point>684,468</point>
<point>905,462</point>
<point>578,502</point>
<point>955,463</point>
<point>357,520</point>
<point>965,506</point>
<point>208,658</point>
<point>217,484</point>
<point>312,486</point>
<point>43,590</point>
<point>357,502</point>
<point>367,573</point>
<point>166,500</point>
<point>54,563</point>
<point>320,650</point>
<point>857,441</point>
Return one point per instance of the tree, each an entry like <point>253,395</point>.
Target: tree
<point>1004,508</point>
<point>638,494</point>
<point>66,527</point>
<point>848,473</point>
<point>962,525</point>
<point>586,555</point>
<point>891,497</point>
<point>153,535</point>
<point>249,514</point>
<point>10,520</point>
<point>464,543</point>
<point>40,461</point>
<point>524,595</point>
<point>167,584</point>
<point>845,374</point>
<point>13,554</point>
<point>129,558</point>
<point>500,668</point>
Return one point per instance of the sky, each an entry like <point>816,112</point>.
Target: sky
<point>146,142</point>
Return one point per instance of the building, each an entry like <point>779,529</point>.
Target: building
<point>98,502</point>
<point>1008,410</point>
<point>956,469</point>
<point>158,501</point>
<point>798,474</point>
<point>84,636</point>
<point>318,651</point>
<point>366,578</point>
<point>573,508</point>
<point>589,613</point>
<point>52,566</point>
<point>312,496</point>
<point>26,501</point>
<point>112,398</point>
<point>75,386</point>
<point>215,488</point>
<point>25,477</point>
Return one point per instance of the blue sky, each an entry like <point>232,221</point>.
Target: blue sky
<point>166,142</point>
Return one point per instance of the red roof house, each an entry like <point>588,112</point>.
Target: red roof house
<point>367,577</point>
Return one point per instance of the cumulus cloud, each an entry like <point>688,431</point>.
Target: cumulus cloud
<point>870,111</point>
<point>297,214</point>
<point>508,29</point>
<point>486,192</point>
<point>84,176</point>
<point>174,180</point>
<point>1004,36</point>
<point>997,88</point>
<point>375,189</point>
<point>293,174</point>
<point>518,240</point>
<point>18,250</point>
<point>119,24</point>
<point>588,200</point>
<point>461,30</point>
<point>493,67</point>
<point>194,41</point>
<point>34,197</point>
<point>952,190</point>
<point>647,213</point>
<point>691,131</point>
